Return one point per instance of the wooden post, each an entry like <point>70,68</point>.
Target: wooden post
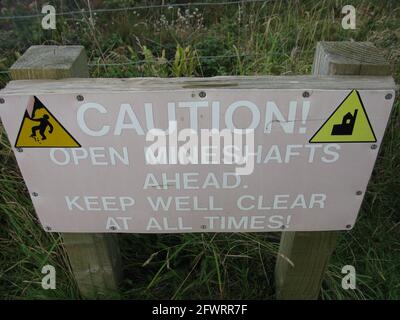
<point>303,256</point>
<point>95,257</point>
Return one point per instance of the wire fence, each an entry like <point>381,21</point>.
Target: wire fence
<point>135,8</point>
<point>95,64</point>
<point>156,60</point>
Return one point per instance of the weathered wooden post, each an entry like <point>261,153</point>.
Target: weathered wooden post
<point>94,257</point>
<point>303,256</point>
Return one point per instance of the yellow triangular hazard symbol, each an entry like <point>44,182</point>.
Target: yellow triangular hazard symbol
<point>348,123</point>
<point>40,129</point>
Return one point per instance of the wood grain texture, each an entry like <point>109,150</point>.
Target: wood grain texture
<point>304,256</point>
<point>95,261</point>
<point>349,58</point>
<point>94,258</point>
<point>301,263</point>
<point>215,83</point>
<point>51,62</point>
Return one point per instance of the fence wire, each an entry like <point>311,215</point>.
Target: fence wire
<point>134,8</point>
<point>94,64</point>
<point>155,6</point>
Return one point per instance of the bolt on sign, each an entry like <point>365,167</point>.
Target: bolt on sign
<point>225,154</point>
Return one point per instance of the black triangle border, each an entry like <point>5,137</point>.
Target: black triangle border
<point>22,122</point>
<point>366,115</point>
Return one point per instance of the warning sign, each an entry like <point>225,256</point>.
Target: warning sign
<point>40,129</point>
<point>159,157</point>
<point>348,123</point>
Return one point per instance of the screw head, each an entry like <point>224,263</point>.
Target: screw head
<point>202,94</point>
<point>348,226</point>
<point>359,193</point>
<point>306,94</point>
<point>113,228</point>
<point>48,228</point>
<point>283,227</point>
<point>2,100</point>
<point>374,146</point>
<point>203,226</point>
<point>35,194</point>
<point>20,150</point>
<point>79,97</point>
<point>388,96</point>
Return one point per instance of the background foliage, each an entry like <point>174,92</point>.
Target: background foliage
<point>250,38</point>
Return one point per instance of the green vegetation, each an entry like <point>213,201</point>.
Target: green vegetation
<point>275,37</point>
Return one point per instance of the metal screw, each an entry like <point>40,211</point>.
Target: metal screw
<point>359,193</point>
<point>20,150</point>
<point>374,146</point>
<point>35,194</point>
<point>348,226</point>
<point>2,100</point>
<point>48,228</point>
<point>203,226</point>
<point>113,228</point>
<point>202,94</point>
<point>306,94</point>
<point>283,227</point>
<point>388,96</point>
<point>79,97</point>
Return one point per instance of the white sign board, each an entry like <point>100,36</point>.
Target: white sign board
<point>111,157</point>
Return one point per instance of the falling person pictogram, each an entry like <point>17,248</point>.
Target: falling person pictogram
<point>41,129</point>
<point>44,123</point>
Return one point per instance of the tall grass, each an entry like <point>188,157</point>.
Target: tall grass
<point>275,37</point>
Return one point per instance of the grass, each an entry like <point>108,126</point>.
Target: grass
<point>277,37</point>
